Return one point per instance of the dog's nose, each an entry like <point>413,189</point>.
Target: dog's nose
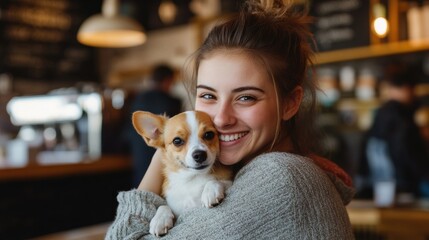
<point>199,156</point>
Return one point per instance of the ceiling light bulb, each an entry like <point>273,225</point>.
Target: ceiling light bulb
<point>381,26</point>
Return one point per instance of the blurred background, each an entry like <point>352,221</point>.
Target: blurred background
<point>66,95</point>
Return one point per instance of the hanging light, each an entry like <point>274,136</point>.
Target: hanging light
<point>109,29</point>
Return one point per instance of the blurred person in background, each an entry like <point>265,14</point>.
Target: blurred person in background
<point>422,120</point>
<point>157,100</point>
<point>394,149</point>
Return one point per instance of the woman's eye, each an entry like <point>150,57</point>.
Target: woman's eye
<point>178,142</point>
<point>209,135</point>
<point>207,96</point>
<point>246,98</point>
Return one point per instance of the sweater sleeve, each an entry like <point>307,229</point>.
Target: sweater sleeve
<point>135,210</point>
<point>275,196</point>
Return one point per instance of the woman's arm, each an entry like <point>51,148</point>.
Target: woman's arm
<point>153,178</point>
<point>135,210</point>
<point>137,207</point>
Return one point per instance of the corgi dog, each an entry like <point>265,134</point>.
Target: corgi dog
<point>192,175</point>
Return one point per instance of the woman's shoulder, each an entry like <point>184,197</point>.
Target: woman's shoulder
<point>279,165</point>
<point>295,173</point>
<point>282,158</point>
<point>279,161</point>
<point>285,176</point>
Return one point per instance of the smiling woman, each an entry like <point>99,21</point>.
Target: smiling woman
<point>241,99</point>
<point>250,76</point>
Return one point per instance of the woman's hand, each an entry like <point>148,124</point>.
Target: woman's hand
<point>153,178</point>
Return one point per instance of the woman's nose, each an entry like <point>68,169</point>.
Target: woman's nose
<point>224,116</point>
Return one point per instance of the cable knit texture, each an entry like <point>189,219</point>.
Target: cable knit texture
<point>275,196</point>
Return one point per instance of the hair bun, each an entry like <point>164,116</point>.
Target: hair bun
<point>272,7</point>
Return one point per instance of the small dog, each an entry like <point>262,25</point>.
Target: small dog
<point>193,176</point>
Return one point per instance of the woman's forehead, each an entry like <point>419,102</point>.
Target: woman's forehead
<point>233,69</point>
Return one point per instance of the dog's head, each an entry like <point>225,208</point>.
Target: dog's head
<point>189,139</point>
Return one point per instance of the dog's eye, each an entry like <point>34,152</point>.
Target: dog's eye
<point>178,142</point>
<point>209,135</point>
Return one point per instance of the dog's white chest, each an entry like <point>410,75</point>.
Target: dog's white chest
<point>185,191</point>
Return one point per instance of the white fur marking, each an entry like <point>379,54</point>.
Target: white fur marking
<point>194,142</point>
<point>191,119</point>
<point>185,190</point>
<point>162,221</point>
<point>212,194</point>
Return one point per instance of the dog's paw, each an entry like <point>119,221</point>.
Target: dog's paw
<point>162,221</point>
<point>213,194</point>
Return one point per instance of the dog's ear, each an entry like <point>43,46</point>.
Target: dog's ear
<point>150,126</point>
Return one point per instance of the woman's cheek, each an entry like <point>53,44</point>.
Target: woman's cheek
<point>199,106</point>
<point>204,108</point>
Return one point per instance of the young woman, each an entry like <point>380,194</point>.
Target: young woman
<point>250,77</point>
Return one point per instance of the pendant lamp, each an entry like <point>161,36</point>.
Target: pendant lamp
<point>110,30</point>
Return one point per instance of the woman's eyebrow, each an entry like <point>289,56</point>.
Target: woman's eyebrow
<point>240,89</point>
<point>246,88</point>
<point>206,87</point>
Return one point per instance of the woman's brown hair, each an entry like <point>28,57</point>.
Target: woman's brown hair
<point>273,33</point>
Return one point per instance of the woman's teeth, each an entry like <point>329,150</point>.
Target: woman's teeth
<point>231,137</point>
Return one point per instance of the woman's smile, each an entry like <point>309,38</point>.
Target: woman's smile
<point>231,137</point>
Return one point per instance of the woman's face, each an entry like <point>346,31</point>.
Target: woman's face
<point>240,97</point>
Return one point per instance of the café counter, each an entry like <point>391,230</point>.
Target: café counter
<point>43,199</point>
<point>391,223</point>
<point>105,164</point>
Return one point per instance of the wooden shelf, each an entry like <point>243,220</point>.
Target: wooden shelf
<point>377,50</point>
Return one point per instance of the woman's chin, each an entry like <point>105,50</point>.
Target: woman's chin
<point>227,163</point>
<point>228,160</point>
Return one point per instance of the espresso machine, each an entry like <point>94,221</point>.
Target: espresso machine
<point>57,128</point>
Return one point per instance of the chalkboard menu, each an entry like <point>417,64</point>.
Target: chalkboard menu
<point>340,23</point>
<point>38,40</point>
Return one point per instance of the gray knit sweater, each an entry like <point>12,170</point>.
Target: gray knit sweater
<point>275,196</point>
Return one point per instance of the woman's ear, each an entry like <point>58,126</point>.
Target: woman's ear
<point>292,102</point>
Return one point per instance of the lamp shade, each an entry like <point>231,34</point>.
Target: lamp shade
<point>116,31</point>
<point>109,29</point>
